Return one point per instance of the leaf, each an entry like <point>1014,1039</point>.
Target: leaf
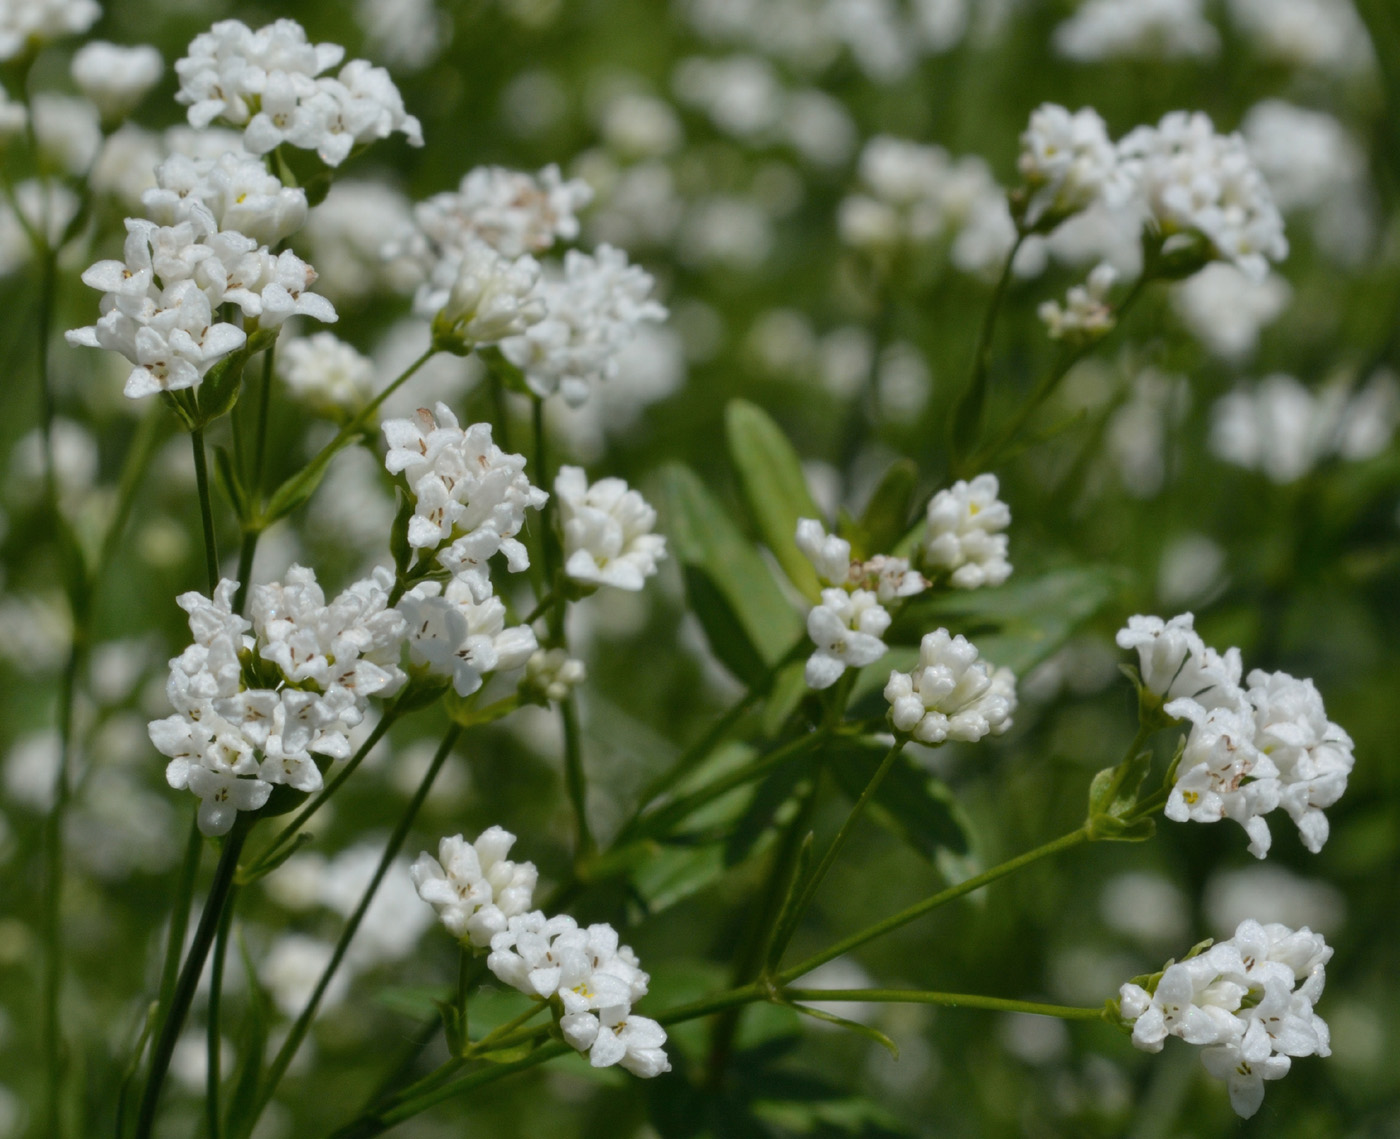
<point>775,489</point>
<point>745,601</point>
<point>417,1002</point>
<point>302,485</point>
<point>728,639</point>
<point>262,868</point>
<point>850,1026</point>
<point>915,805</point>
<point>789,689</point>
<point>886,517</point>
<point>759,815</point>
<point>398,532</point>
<point>1019,624</point>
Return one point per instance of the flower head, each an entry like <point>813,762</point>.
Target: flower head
<point>951,693</point>
<point>608,537</point>
<point>964,533</point>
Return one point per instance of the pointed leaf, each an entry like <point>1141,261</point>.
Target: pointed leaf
<point>702,535</point>
<point>886,517</point>
<point>850,1026</point>
<point>252,1047</point>
<point>231,484</point>
<point>774,487</point>
<point>913,804</point>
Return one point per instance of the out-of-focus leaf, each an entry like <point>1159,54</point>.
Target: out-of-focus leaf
<point>418,1002</point>
<point>243,1096</point>
<point>774,486</point>
<point>1019,624</point>
<point>886,516</point>
<point>728,639</point>
<point>912,803</point>
<point>759,815</point>
<point>743,597</point>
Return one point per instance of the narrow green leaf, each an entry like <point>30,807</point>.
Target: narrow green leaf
<point>398,533</point>
<point>728,639</point>
<point>775,489</point>
<point>230,483</point>
<point>302,485</point>
<point>252,1049</point>
<point>702,534</point>
<point>886,517</point>
<point>850,1026</point>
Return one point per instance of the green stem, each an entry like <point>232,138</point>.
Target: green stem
<point>260,439</point>
<point>574,778</point>
<point>298,1032</point>
<point>213,1076</point>
<point>179,917</point>
<point>183,995</point>
<point>945,1000</point>
<point>788,925</point>
<point>206,508</point>
<point>386,721</point>
<point>943,897</point>
<point>247,550</point>
<point>988,457</point>
<point>966,420</point>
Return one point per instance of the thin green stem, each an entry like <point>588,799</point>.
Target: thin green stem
<point>575,780</point>
<point>386,721</point>
<point>260,438</point>
<point>180,917</point>
<point>943,897</point>
<point>988,456</point>
<point>945,1000</point>
<point>206,507</point>
<point>288,1051</point>
<point>788,925</point>
<point>138,460</point>
<point>53,892</point>
<point>213,1075</point>
<point>183,995</point>
<point>247,550</point>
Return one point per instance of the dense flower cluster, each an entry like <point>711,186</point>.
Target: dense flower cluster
<point>455,633</point>
<point>209,244</point>
<point>951,693</point>
<point>326,372</point>
<point>1246,1002</point>
<point>1252,748</point>
<point>474,887</point>
<point>590,980</point>
<point>1068,163</point>
<point>964,535</point>
<point>26,24</point>
<point>1086,316</point>
<point>116,78</point>
<point>269,82</point>
<point>607,528</point>
<point>470,497</point>
<point>480,297</point>
<point>256,710</point>
<point>1202,186</point>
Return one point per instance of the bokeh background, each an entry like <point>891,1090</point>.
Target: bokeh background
<point>722,138</point>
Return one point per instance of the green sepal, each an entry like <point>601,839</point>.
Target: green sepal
<point>1115,790</point>
<point>775,489</point>
<point>1108,828</point>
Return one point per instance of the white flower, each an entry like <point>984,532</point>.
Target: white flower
<point>345,236</point>
<point>1197,186</point>
<point>470,497</point>
<point>1313,755</point>
<point>237,191</point>
<point>1248,1002</point>
<point>28,24</point>
<point>475,889</point>
<point>1107,29</point>
<point>326,372</point>
<point>591,312</point>
<point>607,528</point>
<point>457,635</point>
<point>270,83</point>
<point>552,674</point>
<point>1086,316</point>
<point>846,628</point>
<point>1305,33</point>
<point>68,130</point>
<point>1068,163</point>
<point>116,78</point>
<point>951,694</point>
<point>892,577</point>
<point>1178,666</point>
<point>963,535</point>
<point>830,556</point>
<point>480,297</point>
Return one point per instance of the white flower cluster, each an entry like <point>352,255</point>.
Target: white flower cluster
<point>324,371</point>
<point>474,887</point>
<point>511,211</point>
<point>1251,749</point>
<point>26,24</point>
<point>1162,29</point>
<point>116,78</point>
<point>1197,184</point>
<point>915,194</point>
<point>256,710</point>
<point>951,693</point>
<point>470,497</point>
<point>848,624</point>
<point>964,534</point>
<point>1068,163</point>
<point>456,633</point>
<point>607,527</point>
<point>480,297</point>
<point>592,309</point>
<point>269,82</point>
<point>209,245</point>
<point>1246,1002</point>
<point>1086,315</point>
<point>591,982</point>
<point>551,674</point>
<point>1283,429</point>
